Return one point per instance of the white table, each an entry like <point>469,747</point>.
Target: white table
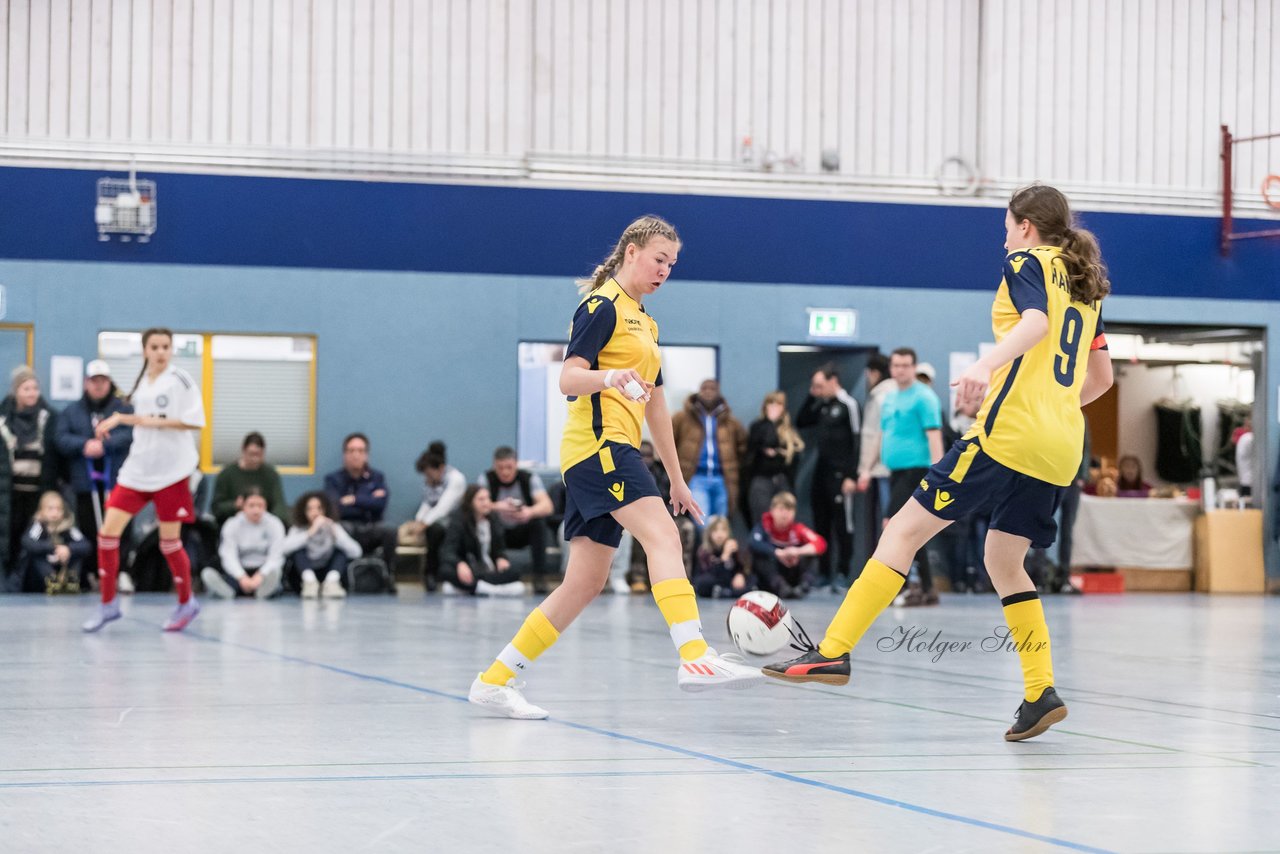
<point>1143,533</point>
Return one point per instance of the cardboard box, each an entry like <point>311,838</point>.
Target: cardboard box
<point>1229,552</point>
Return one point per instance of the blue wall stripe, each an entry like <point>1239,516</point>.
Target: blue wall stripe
<point>292,222</point>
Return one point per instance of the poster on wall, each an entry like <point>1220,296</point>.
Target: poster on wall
<point>64,377</point>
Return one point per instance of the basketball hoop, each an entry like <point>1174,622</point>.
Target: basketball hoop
<point>1271,191</point>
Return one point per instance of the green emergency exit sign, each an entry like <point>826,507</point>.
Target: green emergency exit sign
<point>832,323</point>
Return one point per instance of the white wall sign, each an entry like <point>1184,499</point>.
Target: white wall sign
<point>64,377</point>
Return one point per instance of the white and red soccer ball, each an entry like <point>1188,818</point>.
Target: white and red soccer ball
<point>759,624</point>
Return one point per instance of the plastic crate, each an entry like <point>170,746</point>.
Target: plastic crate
<point>1098,582</point>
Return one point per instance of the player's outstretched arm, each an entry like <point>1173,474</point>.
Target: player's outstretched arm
<point>1029,331</point>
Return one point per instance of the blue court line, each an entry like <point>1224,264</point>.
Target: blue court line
<point>683,751</point>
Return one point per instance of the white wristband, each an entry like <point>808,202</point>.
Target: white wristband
<point>608,377</point>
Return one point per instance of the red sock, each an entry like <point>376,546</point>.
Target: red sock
<point>180,565</point>
<point>108,565</point>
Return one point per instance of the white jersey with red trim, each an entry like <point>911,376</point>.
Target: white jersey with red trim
<point>159,457</point>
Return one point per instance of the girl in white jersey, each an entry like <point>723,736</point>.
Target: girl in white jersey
<point>167,408</point>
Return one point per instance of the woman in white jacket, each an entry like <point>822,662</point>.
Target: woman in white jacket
<point>250,551</point>
<point>317,544</point>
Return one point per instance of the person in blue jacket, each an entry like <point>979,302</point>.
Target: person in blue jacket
<point>92,462</point>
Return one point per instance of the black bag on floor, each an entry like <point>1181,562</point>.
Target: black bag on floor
<point>150,571</point>
<point>369,575</point>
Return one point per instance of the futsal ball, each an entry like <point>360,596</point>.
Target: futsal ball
<point>759,623</point>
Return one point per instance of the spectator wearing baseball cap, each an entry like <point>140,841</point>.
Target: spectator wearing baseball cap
<point>93,463</point>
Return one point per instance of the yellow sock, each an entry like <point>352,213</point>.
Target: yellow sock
<point>1028,630</point>
<point>676,602</point>
<point>534,638</point>
<point>870,594</point>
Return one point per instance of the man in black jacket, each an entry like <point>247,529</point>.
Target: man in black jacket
<point>833,415</point>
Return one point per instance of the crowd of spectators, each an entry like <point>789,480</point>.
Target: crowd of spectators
<point>499,533</point>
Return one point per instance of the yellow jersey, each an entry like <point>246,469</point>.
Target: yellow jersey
<point>1030,420</point>
<point>611,331</point>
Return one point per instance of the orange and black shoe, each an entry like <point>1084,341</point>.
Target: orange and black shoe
<point>1032,719</point>
<point>813,666</point>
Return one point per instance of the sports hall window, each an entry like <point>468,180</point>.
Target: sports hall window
<point>542,409</point>
<point>263,383</point>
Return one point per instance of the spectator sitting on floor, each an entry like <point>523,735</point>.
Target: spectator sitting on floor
<point>361,495</point>
<point>785,551</point>
<point>638,575</point>
<point>523,504</point>
<point>1129,483</point>
<point>442,489</point>
<point>719,572</point>
<point>250,470</point>
<point>319,545</point>
<point>251,552</point>
<point>474,555</point>
<point>52,548</point>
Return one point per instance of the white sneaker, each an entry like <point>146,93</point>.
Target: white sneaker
<point>447,589</point>
<point>271,579</point>
<point>310,588</point>
<point>619,585</point>
<point>124,583</point>
<point>504,700</point>
<point>713,670</point>
<point>332,589</point>
<point>511,588</point>
<point>215,585</point>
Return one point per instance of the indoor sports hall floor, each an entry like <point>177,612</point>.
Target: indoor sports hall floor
<point>341,727</point>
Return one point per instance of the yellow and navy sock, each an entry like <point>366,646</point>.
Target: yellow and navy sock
<point>534,638</point>
<point>1028,630</point>
<point>874,591</point>
<point>680,609</point>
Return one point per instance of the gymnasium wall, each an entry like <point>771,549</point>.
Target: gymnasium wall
<point>1123,109</point>
<point>419,294</point>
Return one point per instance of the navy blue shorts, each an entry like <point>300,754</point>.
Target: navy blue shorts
<point>967,481</point>
<point>613,477</point>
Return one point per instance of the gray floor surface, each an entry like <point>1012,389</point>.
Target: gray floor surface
<point>290,726</point>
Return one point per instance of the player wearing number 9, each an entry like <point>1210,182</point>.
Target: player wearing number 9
<point>1024,448</point>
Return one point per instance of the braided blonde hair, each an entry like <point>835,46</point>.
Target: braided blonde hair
<point>640,233</point>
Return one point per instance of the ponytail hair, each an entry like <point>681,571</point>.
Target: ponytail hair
<point>640,233</point>
<point>146,336</point>
<point>1047,209</point>
<point>1086,271</point>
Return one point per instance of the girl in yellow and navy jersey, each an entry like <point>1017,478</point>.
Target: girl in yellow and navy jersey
<point>612,376</point>
<point>1015,461</point>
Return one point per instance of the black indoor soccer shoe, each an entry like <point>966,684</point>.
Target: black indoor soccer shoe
<point>1034,718</point>
<point>813,666</point>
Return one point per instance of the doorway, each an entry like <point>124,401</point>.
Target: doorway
<point>796,366</point>
<point>1213,374</point>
